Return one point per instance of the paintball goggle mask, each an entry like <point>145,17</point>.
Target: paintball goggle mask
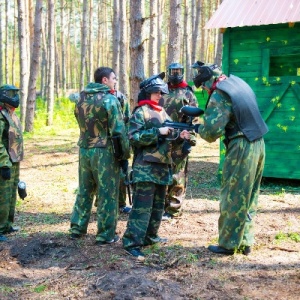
<point>205,74</point>
<point>175,73</point>
<point>9,95</point>
<point>152,85</point>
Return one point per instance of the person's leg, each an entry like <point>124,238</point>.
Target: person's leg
<point>106,171</point>
<point>176,191</point>
<point>6,194</point>
<point>156,215</point>
<point>15,174</point>
<point>139,217</point>
<point>83,204</point>
<point>259,161</point>
<point>239,173</point>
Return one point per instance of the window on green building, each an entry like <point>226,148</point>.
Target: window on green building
<point>284,65</point>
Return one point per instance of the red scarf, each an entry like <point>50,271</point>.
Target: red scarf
<point>214,85</point>
<point>182,84</point>
<point>112,92</point>
<point>151,103</point>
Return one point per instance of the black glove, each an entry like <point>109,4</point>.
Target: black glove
<point>5,173</point>
<point>124,165</point>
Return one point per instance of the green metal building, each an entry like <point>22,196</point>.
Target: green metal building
<point>261,44</point>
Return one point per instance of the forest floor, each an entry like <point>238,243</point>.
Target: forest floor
<point>42,262</point>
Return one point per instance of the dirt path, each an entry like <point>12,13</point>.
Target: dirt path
<point>41,262</point>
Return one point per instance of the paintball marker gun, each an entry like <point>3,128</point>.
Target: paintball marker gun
<point>190,112</point>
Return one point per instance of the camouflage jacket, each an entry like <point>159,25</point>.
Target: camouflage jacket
<point>174,101</point>
<point>99,116</point>
<point>11,138</point>
<point>152,153</point>
<point>217,117</point>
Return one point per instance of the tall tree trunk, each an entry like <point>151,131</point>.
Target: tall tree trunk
<point>160,6</point>
<point>136,49</point>
<point>34,66</point>
<point>116,36</point>
<point>91,44</point>
<point>6,43</point>
<point>44,62</point>
<point>187,41</point>
<point>123,57</point>
<point>153,53</point>
<point>84,31</point>
<point>174,33</point>
<point>22,25</point>
<point>13,60</point>
<point>196,15</point>
<point>63,47</point>
<point>51,64</point>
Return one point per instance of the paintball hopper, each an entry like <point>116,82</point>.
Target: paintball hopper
<point>22,190</point>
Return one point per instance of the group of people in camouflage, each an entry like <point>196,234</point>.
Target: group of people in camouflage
<point>160,156</point>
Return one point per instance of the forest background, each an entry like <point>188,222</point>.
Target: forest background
<point>50,48</point>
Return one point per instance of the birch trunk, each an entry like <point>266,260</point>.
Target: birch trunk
<point>34,67</point>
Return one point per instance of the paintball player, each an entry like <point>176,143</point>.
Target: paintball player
<point>153,146</point>
<point>180,94</point>
<point>232,111</point>
<point>74,97</point>
<point>11,153</point>
<point>103,149</point>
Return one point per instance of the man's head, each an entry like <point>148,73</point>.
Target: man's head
<point>175,73</point>
<point>9,95</point>
<point>106,76</point>
<point>153,84</point>
<point>205,74</point>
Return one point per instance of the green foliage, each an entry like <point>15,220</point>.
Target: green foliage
<point>40,288</point>
<point>63,118</point>
<point>288,236</point>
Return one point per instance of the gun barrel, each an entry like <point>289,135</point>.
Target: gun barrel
<point>192,111</point>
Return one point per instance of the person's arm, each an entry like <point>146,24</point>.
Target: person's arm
<point>138,134</point>
<point>216,117</point>
<point>4,156</point>
<point>116,125</point>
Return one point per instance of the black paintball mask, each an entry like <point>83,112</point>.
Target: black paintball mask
<point>9,94</point>
<point>204,72</point>
<point>175,73</point>
<point>152,85</point>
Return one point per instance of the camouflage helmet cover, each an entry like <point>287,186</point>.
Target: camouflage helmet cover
<point>155,84</point>
<point>9,95</point>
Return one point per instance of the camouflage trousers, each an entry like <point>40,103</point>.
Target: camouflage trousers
<point>176,191</point>
<point>99,174</point>
<point>145,216</point>
<point>122,192</point>
<point>8,198</point>
<point>242,173</point>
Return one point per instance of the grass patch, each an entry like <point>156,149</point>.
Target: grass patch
<point>291,236</point>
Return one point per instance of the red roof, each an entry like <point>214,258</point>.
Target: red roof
<point>240,13</point>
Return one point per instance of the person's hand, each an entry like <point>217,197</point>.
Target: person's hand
<point>5,173</point>
<point>165,130</point>
<point>124,165</point>
<point>184,134</point>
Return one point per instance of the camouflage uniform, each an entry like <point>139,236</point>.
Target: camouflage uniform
<point>242,173</point>
<point>11,153</point>
<point>179,95</point>
<point>99,117</point>
<point>152,172</point>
